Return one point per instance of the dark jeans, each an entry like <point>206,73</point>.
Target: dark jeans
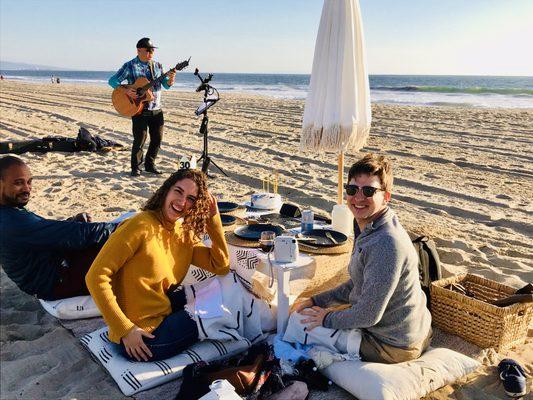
<point>71,281</point>
<point>150,122</point>
<point>176,333</point>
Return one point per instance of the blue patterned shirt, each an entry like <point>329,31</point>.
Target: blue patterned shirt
<point>134,69</point>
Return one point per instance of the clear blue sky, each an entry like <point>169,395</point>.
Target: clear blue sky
<point>470,37</point>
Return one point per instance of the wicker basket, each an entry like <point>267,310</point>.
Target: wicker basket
<point>475,320</point>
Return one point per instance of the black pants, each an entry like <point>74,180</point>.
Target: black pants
<point>148,122</point>
<point>71,281</point>
<point>176,333</point>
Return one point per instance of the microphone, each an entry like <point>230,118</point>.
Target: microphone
<point>202,86</point>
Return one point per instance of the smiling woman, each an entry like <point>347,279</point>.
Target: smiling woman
<point>184,195</point>
<point>134,277</point>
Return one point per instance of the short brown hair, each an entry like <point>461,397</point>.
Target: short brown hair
<point>196,219</point>
<point>372,164</point>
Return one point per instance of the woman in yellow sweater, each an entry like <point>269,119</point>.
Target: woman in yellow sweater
<point>133,278</point>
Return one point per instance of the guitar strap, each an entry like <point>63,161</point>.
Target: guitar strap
<point>152,69</point>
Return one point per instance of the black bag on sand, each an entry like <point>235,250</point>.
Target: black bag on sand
<point>428,263</point>
<point>255,374</point>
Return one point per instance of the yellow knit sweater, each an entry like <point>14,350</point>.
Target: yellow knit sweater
<point>138,264</point>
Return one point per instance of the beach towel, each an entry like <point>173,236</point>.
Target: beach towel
<point>245,320</point>
<point>133,377</point>
<point>241,316</point>
<point>328,345</point>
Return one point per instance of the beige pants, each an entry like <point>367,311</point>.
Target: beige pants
<point>373,350</point>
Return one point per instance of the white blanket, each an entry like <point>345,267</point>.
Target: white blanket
<point>243,316</point>
<point>329,345</point>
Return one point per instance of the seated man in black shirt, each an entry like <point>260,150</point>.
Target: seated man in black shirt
<point>45,258</point>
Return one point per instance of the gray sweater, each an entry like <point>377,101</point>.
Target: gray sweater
<point>384,288</point>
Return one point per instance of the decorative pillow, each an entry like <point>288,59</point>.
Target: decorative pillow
<point>133,377</point>
<point>72,308</point>
<point>404,381</point>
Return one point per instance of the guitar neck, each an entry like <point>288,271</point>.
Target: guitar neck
<point>157,80</point>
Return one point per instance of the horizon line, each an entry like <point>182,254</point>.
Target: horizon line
<point>270,73</point>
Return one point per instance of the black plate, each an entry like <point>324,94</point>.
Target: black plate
<point>321,239</point>
<point>227,220</point>
<point>253,232</point>
<point>227,206</point>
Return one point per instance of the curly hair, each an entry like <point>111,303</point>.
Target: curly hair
<point>195,220</point>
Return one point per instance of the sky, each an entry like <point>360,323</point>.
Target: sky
<point>415,37</point>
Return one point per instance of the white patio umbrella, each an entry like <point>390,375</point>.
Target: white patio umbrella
<point>337,113</point>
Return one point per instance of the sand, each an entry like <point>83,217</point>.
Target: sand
<point>463,176</point>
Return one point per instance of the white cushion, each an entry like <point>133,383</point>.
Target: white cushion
<point>72,308</point>
<point>133,377</point>
<point>408,380</point>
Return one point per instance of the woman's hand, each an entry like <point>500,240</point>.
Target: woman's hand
<point>301,305</point>
<point>315,316</point>
<point>134,344</point>
<point>213,207</point>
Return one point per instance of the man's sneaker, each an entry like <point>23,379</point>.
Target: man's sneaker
<point>135,172</point>
<point>513,377</point>
<point>153,170</point>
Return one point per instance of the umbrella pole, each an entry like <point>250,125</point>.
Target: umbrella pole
<point>340,171</point>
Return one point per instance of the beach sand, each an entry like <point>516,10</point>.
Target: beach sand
<point>463,176</point>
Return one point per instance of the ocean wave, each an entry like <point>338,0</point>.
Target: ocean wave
<point>451,89</point>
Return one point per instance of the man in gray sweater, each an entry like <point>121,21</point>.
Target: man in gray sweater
<point>384,295</point>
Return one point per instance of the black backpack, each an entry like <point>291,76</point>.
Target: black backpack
<point>428,263</point>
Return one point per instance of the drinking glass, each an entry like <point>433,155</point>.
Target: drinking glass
<point>266,242</point>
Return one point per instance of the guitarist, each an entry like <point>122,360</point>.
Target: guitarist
<point>151,118</point>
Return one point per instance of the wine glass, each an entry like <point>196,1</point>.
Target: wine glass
<point>266,242</point>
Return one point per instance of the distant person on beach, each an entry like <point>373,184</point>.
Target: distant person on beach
<point>58,80</point>
<point>45,258</point>
<point>151,118</point>
<point>384,297</point>
<point>134,277</point>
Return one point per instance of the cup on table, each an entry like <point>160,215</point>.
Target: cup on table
<point>266,242</point>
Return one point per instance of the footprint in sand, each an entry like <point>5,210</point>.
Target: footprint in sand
<point>503,197</point>
<point>451,257</point>
<point>114,209</point>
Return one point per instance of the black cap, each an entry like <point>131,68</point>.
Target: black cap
<point>145,43</point>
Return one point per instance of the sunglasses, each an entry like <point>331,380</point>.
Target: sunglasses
<point>149,50</point>
<point>368,191</point>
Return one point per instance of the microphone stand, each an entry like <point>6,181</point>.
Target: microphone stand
<point>208,90</point>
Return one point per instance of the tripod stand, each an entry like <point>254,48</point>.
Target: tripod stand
<point>205,154</point>
<point>209,101</point>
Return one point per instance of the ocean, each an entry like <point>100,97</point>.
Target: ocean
<point>423,90</point>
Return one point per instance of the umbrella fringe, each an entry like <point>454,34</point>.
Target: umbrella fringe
<point>334,138</point>
<point>310,138</point>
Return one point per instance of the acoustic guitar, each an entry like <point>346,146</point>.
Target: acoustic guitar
<point>129,107</point>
